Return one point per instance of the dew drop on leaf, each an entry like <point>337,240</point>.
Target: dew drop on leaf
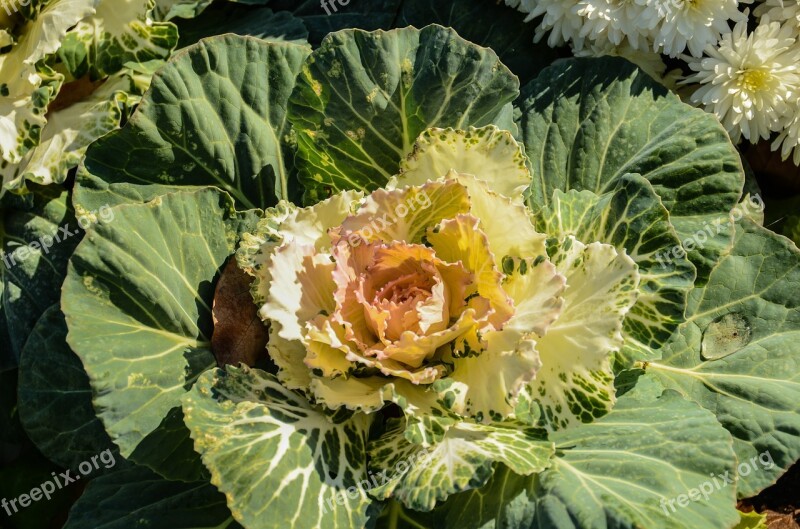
<point>725,335</point>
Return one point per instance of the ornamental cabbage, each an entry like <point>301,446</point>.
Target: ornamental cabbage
<point>443,277</point>
<point>485,305</point>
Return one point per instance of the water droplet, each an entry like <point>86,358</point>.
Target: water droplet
<point>725,335</point>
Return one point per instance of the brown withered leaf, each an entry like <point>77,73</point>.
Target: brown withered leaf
<point>780,502</point>
<point>239,334</point>
<point>776,520</point>
<point>72,92</point>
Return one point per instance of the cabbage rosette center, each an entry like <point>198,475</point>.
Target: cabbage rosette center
<point>437,291</point>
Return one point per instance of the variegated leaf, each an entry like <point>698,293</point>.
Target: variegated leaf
<point>120,31</point>
<point>364,98</point>
<point>575,383</point>
<point>420,476</point>
<point>70,130</point>
<point>488,153</point>
<point>631,218</point>
<point>280,461</point>
<point>627,470</point>
<point>26,88</point>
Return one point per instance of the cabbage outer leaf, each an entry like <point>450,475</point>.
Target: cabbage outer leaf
<point>613,472</point>
<point>280,461</point>
<point>169,9</point>
<point>186,134</point>
<point>30,286</point>
<point>420,476</point>
<point>136,495</point>
<point>738,354</point>
<point>55,397</point>
<point>137,300</point>
<point>586,123</point>
<point>364,98</point>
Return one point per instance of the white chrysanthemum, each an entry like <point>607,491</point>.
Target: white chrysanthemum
<point>667,26</point>
<point>750,81</point>
<point>780,11</point>
<point>559,19</point>
<point>612,22</point>
<point>789,139</point>
<point>694,24</point>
